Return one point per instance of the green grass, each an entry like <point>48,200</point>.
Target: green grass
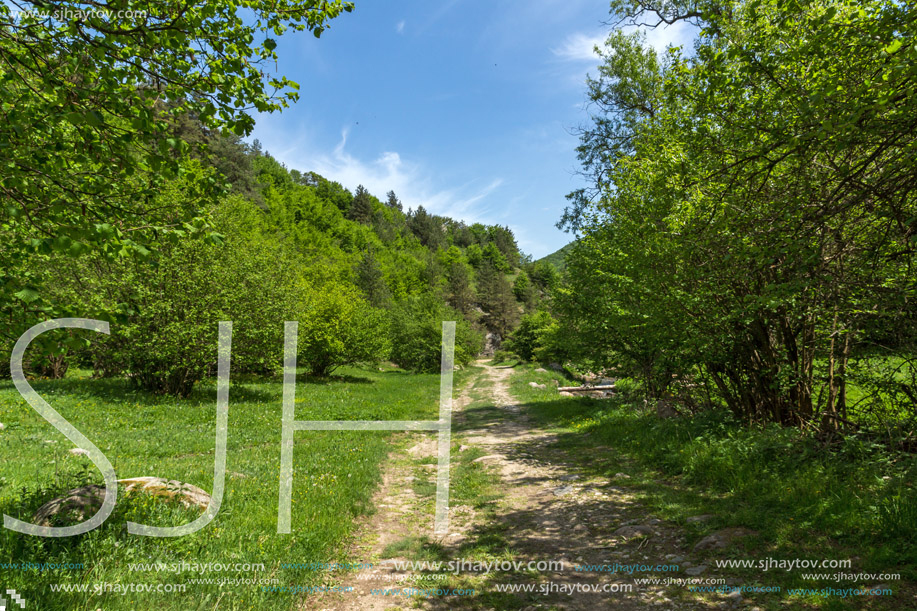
<point>874,392</point>
<point>474,485</point>
<point>855,499</point>
<point>335,475</point>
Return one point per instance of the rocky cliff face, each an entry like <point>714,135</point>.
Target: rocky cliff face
<point>492,343</point>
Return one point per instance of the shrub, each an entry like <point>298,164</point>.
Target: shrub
<point>552,344</point>
<point>416,333</point>
<point>502,356</point>
<point>338,327</point>
<point>169,341</point>
<point>164,312</point>
<point>525,339</point>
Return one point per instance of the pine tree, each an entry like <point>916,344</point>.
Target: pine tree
<point>371,280</point>
<point>461,293</point>
<point>495,295</point>
<point>361,209</point>
<point>393,201</point>
<point>426,227</point>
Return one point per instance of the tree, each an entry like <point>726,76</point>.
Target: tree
<point>361,209</point>
<point>460,291</point>
<point>416,332</point>
<point>164,313</point>
<point>475,255</point>
<point>525,339</point>
<point>88,109</point>
<point>496,258</point>
<point>371,281</point>
<point>523,289</point>
<point>338,327</point>
<point>544,276</point>
<point>505,241</point>
<point>752,204</point>
<point>392,201</point>
<point>426,227</point>
<point>497,300</point>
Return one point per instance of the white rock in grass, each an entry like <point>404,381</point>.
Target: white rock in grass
<point>79,452</point>
<point>81,503</point>
<point>186,494</point>
<point>2,426</point>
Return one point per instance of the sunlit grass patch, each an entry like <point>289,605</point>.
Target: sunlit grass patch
<point>335,475</point>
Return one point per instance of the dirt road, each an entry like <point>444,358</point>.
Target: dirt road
<point>538,510</point>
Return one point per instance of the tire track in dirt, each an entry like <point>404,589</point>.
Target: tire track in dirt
<point>547,512</point>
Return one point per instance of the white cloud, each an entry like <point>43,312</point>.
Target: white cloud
<point>679,34</point>
<point>388,171</point>
<point>399,27</point>
<point>579,47</point>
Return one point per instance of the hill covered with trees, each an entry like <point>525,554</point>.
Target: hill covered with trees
<point>558,258</point>
<point>367,279</point>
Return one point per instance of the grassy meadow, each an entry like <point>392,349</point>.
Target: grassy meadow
<point>335,474</point>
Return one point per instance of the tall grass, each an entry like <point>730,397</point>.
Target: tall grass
<point>335,474</point>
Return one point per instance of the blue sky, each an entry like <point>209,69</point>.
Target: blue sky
<point>466,107</point>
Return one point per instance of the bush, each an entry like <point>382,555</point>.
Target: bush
<point>552,344</point>
<point>502,356</point>
<point>165,312</point>
<point>338,327</point>
<point>416,333</point>
<point>525,339</point>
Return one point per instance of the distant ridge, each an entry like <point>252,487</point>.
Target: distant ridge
<point>558,258</point>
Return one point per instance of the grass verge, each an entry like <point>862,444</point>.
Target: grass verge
<point>855,500</point>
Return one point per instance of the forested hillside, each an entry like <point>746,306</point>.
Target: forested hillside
<point>558,258</point>
<point>367,279</point>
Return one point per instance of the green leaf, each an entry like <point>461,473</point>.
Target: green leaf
<point>27,295</point>
<point>75,118</point>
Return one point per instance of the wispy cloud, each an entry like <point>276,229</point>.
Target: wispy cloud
<point>579,47</point>
<point>399,27</point>
<point>679,34</point>
<point>409,180</point>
